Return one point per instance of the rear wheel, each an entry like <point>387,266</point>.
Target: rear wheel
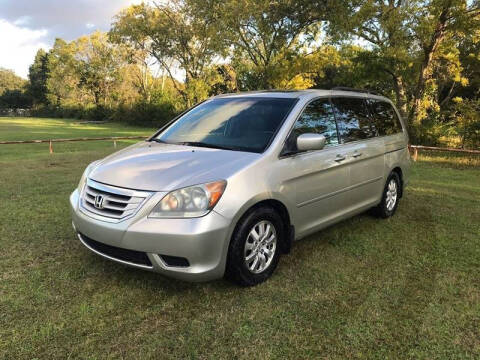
<point>390,197</point>
<point>255,247</point>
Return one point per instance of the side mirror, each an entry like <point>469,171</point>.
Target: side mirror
<point>307,142</point>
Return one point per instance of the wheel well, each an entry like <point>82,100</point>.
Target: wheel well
<point>400,175</point>
<point>283,212</point>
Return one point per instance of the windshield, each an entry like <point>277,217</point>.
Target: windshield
<point>245,124</point>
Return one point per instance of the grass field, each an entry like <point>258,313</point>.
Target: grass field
<point>17,128</point>
<point>403,288</point>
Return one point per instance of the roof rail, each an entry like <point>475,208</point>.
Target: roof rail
<point>344,88</point>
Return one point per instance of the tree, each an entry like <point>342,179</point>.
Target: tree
<point>130,28</point>
<point>14,99</point>
<point>469,58</point>
<point>422,53</point>
<point>63,74</point>
<point>38,74</point>
<point>408,41</point>
<point>98,64</point>
<point>10,81</point>
<point>174,37</point>
<point>436,23</point>
<point>12,91</point>
<point>227,80</point>
<point>264,37</point>
<point>386,27</point>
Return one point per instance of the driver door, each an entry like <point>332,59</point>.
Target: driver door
<point>319,178</point>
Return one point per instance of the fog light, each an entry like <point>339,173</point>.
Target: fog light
<point>174,261</point>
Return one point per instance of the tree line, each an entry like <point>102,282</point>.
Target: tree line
<point>159,59</point>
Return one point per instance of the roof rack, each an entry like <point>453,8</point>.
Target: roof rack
<point>344,88</point>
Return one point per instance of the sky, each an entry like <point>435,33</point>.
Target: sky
<point>28,25</point>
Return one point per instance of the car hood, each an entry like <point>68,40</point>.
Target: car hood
<point>155,166</point>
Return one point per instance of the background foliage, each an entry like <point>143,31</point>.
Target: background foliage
<point>159,59</point>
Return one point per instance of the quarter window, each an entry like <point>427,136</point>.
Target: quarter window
<point>317,118</point>
<point>385,118</point>
<point>352,119</point>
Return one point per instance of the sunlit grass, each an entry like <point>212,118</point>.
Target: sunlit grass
<point>450,159</point>
<point>15,128</point>
<point>29,128</point>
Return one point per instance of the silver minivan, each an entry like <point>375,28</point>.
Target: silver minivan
<point>225,188</point>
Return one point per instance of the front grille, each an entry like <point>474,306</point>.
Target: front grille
<point>111,202</point>
<point>131,256</point>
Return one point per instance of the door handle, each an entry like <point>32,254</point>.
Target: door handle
<point>356,154</point>
<point>340,157</point>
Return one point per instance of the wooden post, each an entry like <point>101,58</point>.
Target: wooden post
<point>415,154</point>
<point>51,147</point>
<point>115,143</point>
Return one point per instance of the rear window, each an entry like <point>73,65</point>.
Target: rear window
<point>353,119</point>
<point>385,119</point>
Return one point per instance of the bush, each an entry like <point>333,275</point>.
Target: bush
<point>141,113</point>
<point>429,132</point>
<point>15,99</point>
<point>457,127</point>
<point>466,117</point>
<point>146,113</point>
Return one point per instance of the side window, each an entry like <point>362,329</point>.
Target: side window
<point>317,118</point>
<point>353,119</point>
<point>384,117</point>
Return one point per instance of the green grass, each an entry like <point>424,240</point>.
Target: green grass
<point>451,159</point>
<point>27,128</point>
<point>18,128</point>
<point>403,288</point>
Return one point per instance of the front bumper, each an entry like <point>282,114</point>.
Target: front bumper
<point>202,241</point>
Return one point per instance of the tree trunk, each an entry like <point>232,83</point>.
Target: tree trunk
<point>447,98</point>
<point>97,97</point>
<point>429,52</point>
<point>401,95</point>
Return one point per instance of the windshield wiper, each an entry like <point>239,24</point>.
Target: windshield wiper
<point>202,144</point>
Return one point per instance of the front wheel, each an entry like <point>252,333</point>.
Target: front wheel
<point>255,247</point>
<point>390,197</point>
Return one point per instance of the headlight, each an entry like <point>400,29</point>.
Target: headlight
<point>192,201</point>
<point>87,172</point>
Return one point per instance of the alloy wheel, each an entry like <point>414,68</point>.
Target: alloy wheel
<point>391,198</point>
<point>260,247</point>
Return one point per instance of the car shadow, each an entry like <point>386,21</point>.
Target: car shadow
<point>134,278</point>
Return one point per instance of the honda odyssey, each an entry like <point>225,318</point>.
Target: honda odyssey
<point>225,188</point>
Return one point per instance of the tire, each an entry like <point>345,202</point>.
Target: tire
<point>244,248</point>
<point>391,192</point>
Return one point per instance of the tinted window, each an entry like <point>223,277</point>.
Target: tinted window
<point>317,118</point>
<point>244,123</point>
<point>352,119</point>
<point>385,118</point>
